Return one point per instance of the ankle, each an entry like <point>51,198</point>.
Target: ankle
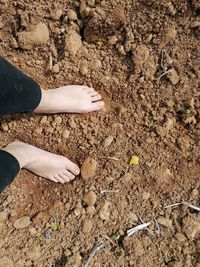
<point>20,151</point>
<point>44,102</point>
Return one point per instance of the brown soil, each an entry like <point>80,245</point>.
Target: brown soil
<point>144,57</point>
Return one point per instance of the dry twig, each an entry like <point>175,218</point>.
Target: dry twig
<point>96,249</point>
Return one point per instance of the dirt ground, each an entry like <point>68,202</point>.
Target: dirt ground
<point>144,57</point>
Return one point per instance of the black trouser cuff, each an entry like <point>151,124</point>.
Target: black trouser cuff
<point>18,92</point>
<point>9,168</point>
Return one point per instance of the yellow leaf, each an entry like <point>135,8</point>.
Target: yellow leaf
<point>134,160</point>
<point>99,42</point>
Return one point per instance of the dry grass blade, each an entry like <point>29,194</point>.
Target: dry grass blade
<point>97,249</point>
<point>173,205</point>
<point>137,228</point>
<point>189,205</point>
<point>113,158</point>
<point>157,231</point>
<point>109,191</point>
<point>165,73</point>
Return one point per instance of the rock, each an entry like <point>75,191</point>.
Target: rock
<point>38,35</point>
<point>58,120</point>
<point>56,69</point>
<point>168,36</point>
<point>180,237</point>
<point>44,120</point>
<point>72,123</point>
<point>108,141</point>
<point>72,42</point>
<point>56,13</point>
<point>146,196</point>
<point>195,192</point>
<point>65,133</point>
<point>4,127</point>
<point>38,130</point>
<point>97,64</point>
<point>3,216</point>
<point>88,169</point>
<point>173,77</point>
<point>90,210</point>
<point>104,211</point>
<point>112,40</point>
<point>22,222</point>
<point>72,15</point>
<point>164,222</point>
<point>6,262</point>
<point>41,216</point>
<point>83,70</point>
<point>90,198</point>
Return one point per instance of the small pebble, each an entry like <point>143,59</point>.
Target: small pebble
<point>104,211</point>
<point>44,120</point>
<point>3,216</point>
<point>164,222</point>
<point>72,15</point>
<point>83,70</point>
<point>90,198</point>
<point>4,127</point>
<point>56,14</point>
<point>108,141</point>
<point>56,69</point>
<point>58,120</point>
<point>65,133</point>
<point>22,222</point>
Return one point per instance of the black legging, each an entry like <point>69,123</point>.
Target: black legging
<point>18,94</point>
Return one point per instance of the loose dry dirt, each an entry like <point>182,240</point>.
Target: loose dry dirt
<point>144,57</point>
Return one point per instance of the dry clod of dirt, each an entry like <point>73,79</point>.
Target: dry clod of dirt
<point>44,120</point>
<point>112,40</point>
<point>72,42</point>
<point>38,130</point>
<point>88,168</point>
<point>56,69</point>
<point>65,134</point>
<point>175,264</point>
<point>83,70</point>
<point>56,13</point>
<point>41,216</point>
<point>104,211</point>
<point>3,216</point>
<point>164,222</point>
<point>58,120</point>
<point>5,127</point>
<point>140,57</point>
<point>72,15</point>
<point>72,123</point>
<point>22,222</point>
<point>173,77</point>
<point>168,36</point>
<point>38,35</point>
<point>90,198</point>
<point>108,141</point>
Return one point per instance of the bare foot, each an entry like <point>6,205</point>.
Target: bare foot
<point>70,99</point>
<point>45,164</point>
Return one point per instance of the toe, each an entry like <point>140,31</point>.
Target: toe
<point>73,168</point>
<point>65,178</point>
<point>59,179</point>
<point>69,175</point>
<point>96,98</point>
